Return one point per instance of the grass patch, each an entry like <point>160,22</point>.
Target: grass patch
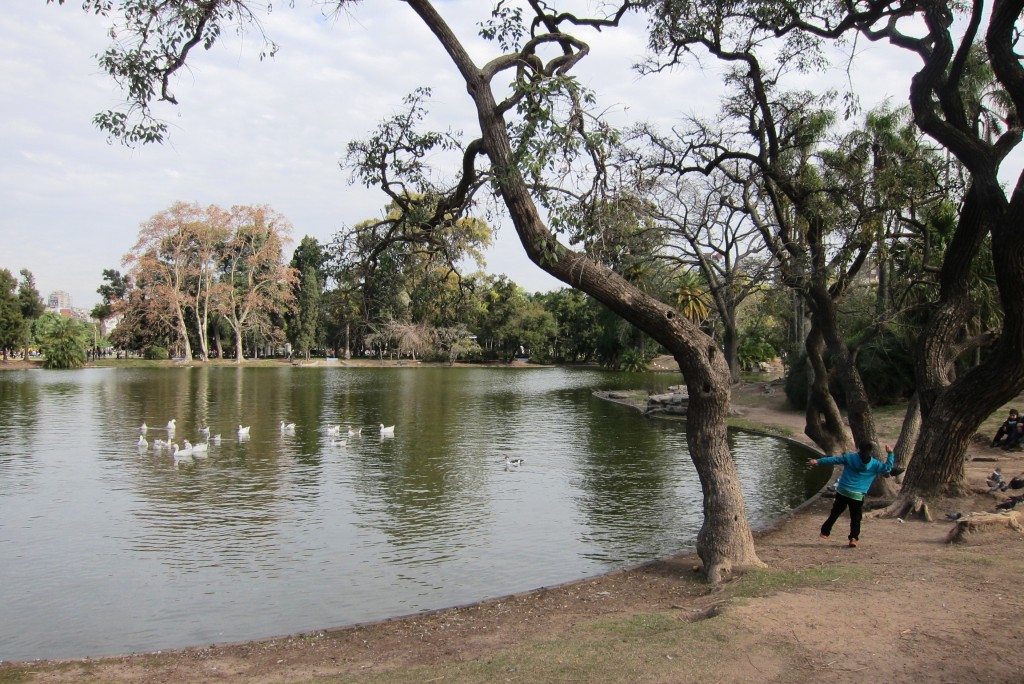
<point>748,426</point>
<point>963,558</point>
<point>756,583</point>
<point>645,647</point>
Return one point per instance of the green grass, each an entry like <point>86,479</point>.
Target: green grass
<point>741,424</point>
<point>763,582</point>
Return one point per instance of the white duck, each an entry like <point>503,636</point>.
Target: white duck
<point>513,462</point>
<point>243,432</point>
<point>142,443</point>
<point>197,449</point>
<point>287,428</point>
<point>171,426</point>
<point>180,454</point>
<point>205,432</point>
<point>333,430</point>
<point>354,433</point>
<point>215,440</point>
<point>143,428</point>
<point>389,430</point>
<point>159,444</point>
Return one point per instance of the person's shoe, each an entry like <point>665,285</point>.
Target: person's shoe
<point>853,543</point>
<point>823,536</point>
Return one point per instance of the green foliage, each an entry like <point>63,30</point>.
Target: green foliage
<point>113,291</point>
<point>886,366</point>
<point>12,322</point>
<point>63,341</point>
<point>797,376</point>
<point>156,353</point>
<point>304,321</point>
<point>505,26</point>
<point>162,34</point>
<point>633,361</point>
<point>885,362</point>
<point>577,317</point>
<point>754,349</point>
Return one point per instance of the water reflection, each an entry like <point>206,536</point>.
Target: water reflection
<point>107,549</point>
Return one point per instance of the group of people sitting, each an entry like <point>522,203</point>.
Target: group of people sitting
<point>1011,433</point>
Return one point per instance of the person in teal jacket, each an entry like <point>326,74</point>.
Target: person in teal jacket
<point>859,471</point>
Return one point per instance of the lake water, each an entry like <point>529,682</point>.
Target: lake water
<point>107,549</point>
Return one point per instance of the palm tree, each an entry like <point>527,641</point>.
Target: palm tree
<point>690,297</point>
<point>63,341</point>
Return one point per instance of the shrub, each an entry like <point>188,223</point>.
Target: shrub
<point>156,353</point>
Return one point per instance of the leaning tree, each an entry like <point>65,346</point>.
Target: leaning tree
<point>532,115</point>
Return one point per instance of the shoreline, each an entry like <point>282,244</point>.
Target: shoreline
<point>440,645</point>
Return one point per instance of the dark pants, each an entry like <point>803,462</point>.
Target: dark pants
<point>856,512</point>
<point>1013,437</point>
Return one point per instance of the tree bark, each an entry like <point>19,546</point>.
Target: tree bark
<point>822,297</point>
<point>909,432</point>
<point>824,424</point>
<point>730,347</point>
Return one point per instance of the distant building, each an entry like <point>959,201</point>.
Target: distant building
<point>58,299</point>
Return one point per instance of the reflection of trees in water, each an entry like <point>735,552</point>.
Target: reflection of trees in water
<point>774,474</point>
<point>640,494</point>
<point>19,415</point>
<point>421,489</point>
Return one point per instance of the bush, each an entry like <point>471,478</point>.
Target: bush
<point>633,361</point>
<point>156,353</point>
<point>886,365</point>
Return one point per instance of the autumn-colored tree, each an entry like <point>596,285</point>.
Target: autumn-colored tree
<point>163,262</point>
<point>252,268</point>
<point>204,240</point>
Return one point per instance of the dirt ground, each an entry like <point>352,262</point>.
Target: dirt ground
<point>905,606</point>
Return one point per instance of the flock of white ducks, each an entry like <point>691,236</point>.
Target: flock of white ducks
<point>201,449</point>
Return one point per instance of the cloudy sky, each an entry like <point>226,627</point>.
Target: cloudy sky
<point>251,132</point>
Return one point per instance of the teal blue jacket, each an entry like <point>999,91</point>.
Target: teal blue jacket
<point>857,475</point>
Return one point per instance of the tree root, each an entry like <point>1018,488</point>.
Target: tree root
<point>908,508</point>
<point>978,522</point>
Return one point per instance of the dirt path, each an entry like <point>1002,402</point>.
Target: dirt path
<point>905,606</point>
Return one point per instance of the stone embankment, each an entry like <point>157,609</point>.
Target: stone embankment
<point>676,401</point>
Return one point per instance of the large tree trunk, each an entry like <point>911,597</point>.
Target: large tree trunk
<point>938,343</point>
<point>183,333</point>
<point>824,424</point>
<point>936,468</point>
<point>952,417</point>
<point>858,407</point>
<point>201,326</point>
<point>909,432</point>
<point>725,540</point>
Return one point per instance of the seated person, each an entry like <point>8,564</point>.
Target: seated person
<point>1012,429</point>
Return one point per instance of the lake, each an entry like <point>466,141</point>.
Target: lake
<point>108,548</point>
